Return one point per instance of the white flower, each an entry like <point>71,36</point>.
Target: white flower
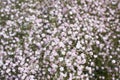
<point>61,68</point>
<point>27,19</point>
<point>43,35</point>
<point>78,45</point>
<point>111,57</point>
<point>61,59</point>
<point>69,32</point>
<point>98,42</point>
<point>89,69</point>
<point>52,58</point>
<point>83,48</point>
<point>71,12</point>
<point>71,76</point>
<point>16,79</point>
<point>113,61</point>
<point>54,65</point>
<point>79,72</point>
<point>63,74</point>
<point>82,41</point>
<point>1,63</point>
<point>49,69</point>
<point>8,70</point>
<point>53,43</point>
<point>68,62</point>
<point>84,29</point>
<point>37,66</point>
<point>31,77</point>
<point>61,44</point>
<point>63,52</point>
<point>86,36</point>
<point>118,5</point>
<point>89,0</point>
<point>95,56</point>
<point>38,21</point>
<point>82,55</point>
<point>92,64</point>
<point>24,75</point>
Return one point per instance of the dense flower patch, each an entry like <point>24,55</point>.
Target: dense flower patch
<point>59,39</point>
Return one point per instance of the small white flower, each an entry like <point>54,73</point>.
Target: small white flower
<point>119,6</point>
<point>61,59</point>
<point>61,44</point>
<point>92,63</point>
<point>82,55</point>
<point>8,70</point>
<point>69,32</point>
<point>71,12</point>
<point>31,77</point>
<point>37,66</point>
<point>1,63</point>
<point>89,0</point>
<point>89,69</point>
<point>83,48</point>
<point>24,75</point>
<point>63,52</point>
<point>27,19</point>
<point>82,41</point>
<point>54,65</point>
<point>113,2</point>
<point>113,61</point>
<point>63,74</point>
<point>61,68</point>
<point>43,35</point>
<point>49,69</point>
<point>16,79</point>
<point>86,36</point>
<point>98,42</point>
<point>84,29</point>
<point>111,56</point>
<point>68,63</point>
<point>53,43</point>
<point>95,56</point>
<point>79,72</point>
<point>78,45</point>
<point>45,16</point>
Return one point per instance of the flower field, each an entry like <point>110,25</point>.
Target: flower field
<point>59,39</point>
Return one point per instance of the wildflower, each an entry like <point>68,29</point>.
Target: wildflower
<point>78,46</point>
<point>61,68</point>
<point>113,61</point>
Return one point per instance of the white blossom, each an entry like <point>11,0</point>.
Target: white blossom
<point>78,46</point>
<point>113,61</point>
<point>53,39</point>
<point>61,68</point>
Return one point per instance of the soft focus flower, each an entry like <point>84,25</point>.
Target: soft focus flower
<point>59,39</point>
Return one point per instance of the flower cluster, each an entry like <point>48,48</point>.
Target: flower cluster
<point>59,39</point>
